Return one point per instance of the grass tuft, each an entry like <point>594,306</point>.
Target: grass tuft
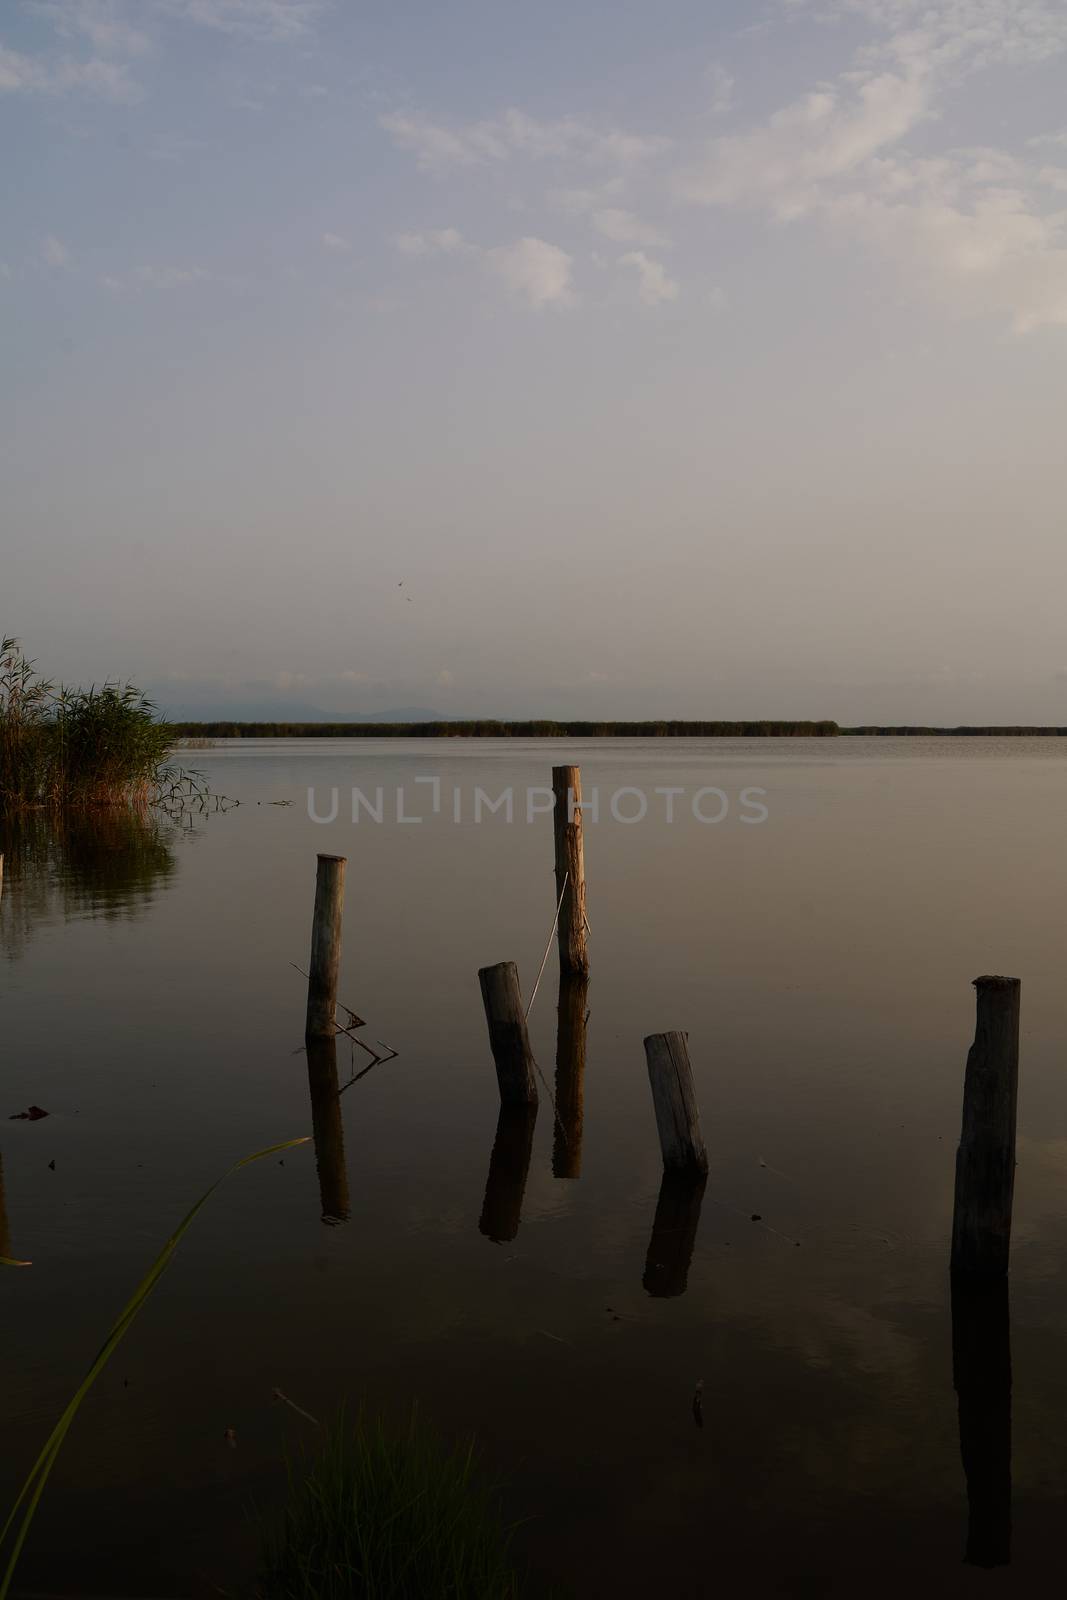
<point>383,1514</point>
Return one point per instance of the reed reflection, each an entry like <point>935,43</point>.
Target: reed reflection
<point>328,1131</point>
<point>509,1165</point>
<point>571,1019</point>
<point>981,1370</point>
<point>102,861</point>
<point>674,1233</point>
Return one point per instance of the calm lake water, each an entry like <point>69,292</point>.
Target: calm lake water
<point>821,962</point>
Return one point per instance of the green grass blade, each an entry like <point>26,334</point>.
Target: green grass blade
<point>33,1487</point>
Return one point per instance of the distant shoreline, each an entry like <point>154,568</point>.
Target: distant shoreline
<point>541,729</point>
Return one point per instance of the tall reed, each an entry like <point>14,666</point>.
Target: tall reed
<point>75,747</point>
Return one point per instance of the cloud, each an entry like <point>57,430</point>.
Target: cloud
<point>981,248</point>
<point>54,252</point>
<point>622,227</point>
<point>721,84</point>
<point>438,146</point>
<point>102,22</point>
<point>437,242</point>
<point>653,285</point>
<point>155,277</point>
<point>534,271</point>
<point>823,136</point>
<point>266,21</point>
<point>334,242</point>
<point>972,227</point>
<point>109,80</point>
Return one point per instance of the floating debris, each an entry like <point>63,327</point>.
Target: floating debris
<point>32,1114</point>
<point>698,1403</point>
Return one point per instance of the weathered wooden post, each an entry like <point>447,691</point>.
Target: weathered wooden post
<point>508,1038</point>
<point>674,1233</point>
<point>570,870</point>
<point>328,1128</point>
<point>570,1075</point>
<point>674,1098</point>
<point>509,1165</point>
<point>985,1159</point>
<point>981,1374</point>
<point>325,946</point>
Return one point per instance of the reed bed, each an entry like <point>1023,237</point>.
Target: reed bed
<point>63,747</point>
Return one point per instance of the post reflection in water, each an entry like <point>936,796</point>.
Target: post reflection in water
<point>572,1017</point>
<point>5,1231</point>
<point>328,1129</point>
<point>674,1233</point>
<point>981,1371</point>
<point>508,1167</point>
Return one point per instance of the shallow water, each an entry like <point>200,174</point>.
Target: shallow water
<point>820,961</point>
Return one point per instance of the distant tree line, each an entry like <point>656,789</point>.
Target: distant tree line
<point>1020,732</point>
<point>486,729</point>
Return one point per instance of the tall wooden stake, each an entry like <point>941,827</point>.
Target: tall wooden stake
<point>985,1160</point>
<point>325,946</point>
<point>674,1098</point>
<point>508,1038</point>
<point>570,870</point>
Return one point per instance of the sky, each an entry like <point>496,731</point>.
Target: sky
<point>574,359</point>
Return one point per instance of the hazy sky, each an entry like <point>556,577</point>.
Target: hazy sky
<point>572,358</point>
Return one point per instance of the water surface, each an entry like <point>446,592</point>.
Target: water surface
<point>821,963</point>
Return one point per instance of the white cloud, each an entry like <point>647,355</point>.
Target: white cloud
<point>622,227</point>
<point>334,242</point>
<point>268,21</point>
<point>653,285</point>
<point>437,242</point>
<point>54,252</point>
<point>823,136</point>
<point>436,145</point>
<point>31,75</point>
<point>154,277</point>
<point>982,249</point>
<point>721,84</point>
<point>972,226</point>
<point>103,22</point>
<point>534,271</point>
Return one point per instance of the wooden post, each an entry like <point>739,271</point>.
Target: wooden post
<point>981,1373</point>
<point>570,1073</point>
<point>673,1096</point>
<point>674,1233</point>
<point>1,874</point>
<point>508,1038</point>
<point>328,1128</point>
<point>325,946</point>
<point>985,1159</point>
<point>570,869</point>
<point>509,1165</point>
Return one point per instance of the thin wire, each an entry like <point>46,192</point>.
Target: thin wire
<point>548,946</point>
